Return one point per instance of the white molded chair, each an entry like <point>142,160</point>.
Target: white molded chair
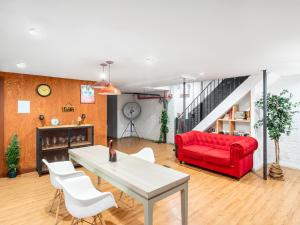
<point>63,170</point>
<point>145,154</point>
<point>83,200</point>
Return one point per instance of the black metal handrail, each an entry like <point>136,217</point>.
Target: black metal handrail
<point>198,96</point>
<point>208,99</point>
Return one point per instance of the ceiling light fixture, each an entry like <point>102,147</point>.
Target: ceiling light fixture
<point>110,89</point>
<point>150,60</point>
<point>102,83</point>
<point>33,31</point>
<point>201,74</point>
<point>21,65</point>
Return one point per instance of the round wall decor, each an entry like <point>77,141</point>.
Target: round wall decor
<point>44,90</point>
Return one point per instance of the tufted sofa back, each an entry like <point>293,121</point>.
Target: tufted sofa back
<point>218,141</point>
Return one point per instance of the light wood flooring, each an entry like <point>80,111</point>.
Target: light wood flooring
<point>213,198</point>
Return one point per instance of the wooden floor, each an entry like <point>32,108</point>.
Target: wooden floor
<point>213,198</point>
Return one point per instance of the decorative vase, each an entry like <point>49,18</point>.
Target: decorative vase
<point>112,153</point>
<point>276,172</point>
<point>12,173</point>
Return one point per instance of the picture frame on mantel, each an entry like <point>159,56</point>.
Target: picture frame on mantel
<point>87,94</point>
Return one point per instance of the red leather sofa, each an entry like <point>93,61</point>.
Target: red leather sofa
<point>231,155</point>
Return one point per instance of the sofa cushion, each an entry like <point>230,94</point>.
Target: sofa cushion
<point>195,151</point>
<point>218,157</point>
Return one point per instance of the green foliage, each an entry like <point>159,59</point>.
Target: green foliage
<point>12,154</point>
<point>280,114</point>
<point>164,126</point>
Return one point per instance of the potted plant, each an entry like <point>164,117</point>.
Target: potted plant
<point>164,126</point>
<point>12,157</point>
<point>280,112</point>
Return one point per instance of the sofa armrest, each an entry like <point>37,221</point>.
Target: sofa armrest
<point>187,138</point>
<point>243,147</point>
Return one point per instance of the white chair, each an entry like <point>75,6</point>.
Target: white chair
<point>63,170</point>
<point>83,200</point>
<point>145,154</point>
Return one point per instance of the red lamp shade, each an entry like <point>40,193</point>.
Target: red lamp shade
<point>109,90</point>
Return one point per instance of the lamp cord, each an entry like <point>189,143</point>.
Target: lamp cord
<point>109,73</point>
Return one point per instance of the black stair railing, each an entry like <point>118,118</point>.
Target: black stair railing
<point>213,94</point>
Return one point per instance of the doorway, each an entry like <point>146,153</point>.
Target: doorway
<point>112,116</point>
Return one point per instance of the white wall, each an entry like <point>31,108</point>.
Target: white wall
<point>147,124</point>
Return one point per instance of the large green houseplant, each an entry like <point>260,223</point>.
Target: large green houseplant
<point>12,157</point>
<point>281,110</point>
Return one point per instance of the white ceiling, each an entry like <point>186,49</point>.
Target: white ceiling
<point>220,38</point>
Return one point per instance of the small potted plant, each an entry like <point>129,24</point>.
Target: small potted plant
<point>12,157</point>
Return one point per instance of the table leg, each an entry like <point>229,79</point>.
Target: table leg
<point>184,205</point>
<point>148,213</point>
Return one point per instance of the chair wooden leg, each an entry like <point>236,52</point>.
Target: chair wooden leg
<point>77,222</point>
<point>121,195</point>
<point>53,200</point>
<point>73,220</point>
<point>99,180</point>
<point>57,210</point>
<point>102,221</point>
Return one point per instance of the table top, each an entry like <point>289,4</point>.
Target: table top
<point>145,178</point>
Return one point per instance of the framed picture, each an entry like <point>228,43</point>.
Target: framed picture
<point>87,94</point>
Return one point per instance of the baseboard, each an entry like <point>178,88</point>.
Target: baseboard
<point>290,165</point>
<point>282,163</point>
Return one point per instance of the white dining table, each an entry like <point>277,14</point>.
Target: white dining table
<point>144,181</point>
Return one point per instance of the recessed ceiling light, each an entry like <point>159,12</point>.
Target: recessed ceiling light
<point>33,31</point>
<point>150,60</point>
<point>188,77</point>
<point>201,74</point>
<point>21,65</point>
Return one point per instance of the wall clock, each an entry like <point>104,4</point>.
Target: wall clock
<point>43,90</point>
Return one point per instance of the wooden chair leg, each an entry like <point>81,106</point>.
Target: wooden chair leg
<point>57,210</point>
<point>102,221</point>
<point>94,220</point>
<point>54,198</point>
<point>121,195</point>
<point>72,222</point>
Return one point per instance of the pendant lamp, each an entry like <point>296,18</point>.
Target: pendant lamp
<point>103,82</point>
<point>110,89</point>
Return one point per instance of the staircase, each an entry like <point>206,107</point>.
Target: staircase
<point>213,94</point>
